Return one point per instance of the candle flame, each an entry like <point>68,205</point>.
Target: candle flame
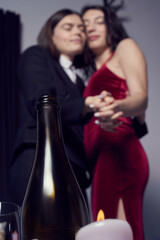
<point>100,215</point>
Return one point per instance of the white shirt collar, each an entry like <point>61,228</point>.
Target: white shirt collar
<point>65,62</point>
<point>70,70</point>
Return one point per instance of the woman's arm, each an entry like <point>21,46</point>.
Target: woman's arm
<point>133,64</point>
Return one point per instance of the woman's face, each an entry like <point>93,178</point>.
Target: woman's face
<point>96,30</point>
<point>69,36</point>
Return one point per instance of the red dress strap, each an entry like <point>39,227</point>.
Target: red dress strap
<point>109,57</point>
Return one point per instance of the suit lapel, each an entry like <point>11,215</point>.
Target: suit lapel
<point>64,77</point>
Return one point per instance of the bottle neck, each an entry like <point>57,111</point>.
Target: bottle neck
<point>48,122</point>
<point>49,133</point>
<point>48,117</point>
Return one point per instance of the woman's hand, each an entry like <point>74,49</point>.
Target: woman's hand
<point>106,111</point>
<point>108,115</point>
<point>93,103</point>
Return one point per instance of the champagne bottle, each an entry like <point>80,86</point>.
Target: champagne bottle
<point>53,207</point>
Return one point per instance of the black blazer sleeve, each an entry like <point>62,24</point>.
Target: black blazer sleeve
<point>34,76</point>
<point>40,74</point>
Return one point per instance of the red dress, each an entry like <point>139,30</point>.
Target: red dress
<point>121,169</point>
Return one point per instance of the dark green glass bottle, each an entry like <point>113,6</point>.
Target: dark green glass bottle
<point>54,207</point>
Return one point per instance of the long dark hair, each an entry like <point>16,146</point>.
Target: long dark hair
<point>44,37</point>
<point>115,30</point>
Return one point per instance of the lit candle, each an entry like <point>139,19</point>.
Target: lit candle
<point>15,235</point>
<point>108,229</point>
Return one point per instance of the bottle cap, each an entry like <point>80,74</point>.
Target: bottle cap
<point>47,99</point>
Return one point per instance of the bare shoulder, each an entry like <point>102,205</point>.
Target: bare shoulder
<point>128,47</point>
<point>127,44</point>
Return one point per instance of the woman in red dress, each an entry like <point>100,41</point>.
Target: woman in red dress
<point>119,162</point>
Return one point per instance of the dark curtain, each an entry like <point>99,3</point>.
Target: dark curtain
<point>9,55</point>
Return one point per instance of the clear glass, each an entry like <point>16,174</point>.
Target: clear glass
<point>9,221</point>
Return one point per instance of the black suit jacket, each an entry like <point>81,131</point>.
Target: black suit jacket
<point>40,74</point>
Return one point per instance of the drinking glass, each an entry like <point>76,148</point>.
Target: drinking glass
<point>9,221</point>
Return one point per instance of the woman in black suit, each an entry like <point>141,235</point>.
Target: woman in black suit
<point>46,69</point>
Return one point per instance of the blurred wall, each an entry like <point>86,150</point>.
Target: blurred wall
<point>143,25</point>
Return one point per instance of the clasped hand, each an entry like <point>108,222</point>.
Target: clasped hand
<point>106,111</point>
